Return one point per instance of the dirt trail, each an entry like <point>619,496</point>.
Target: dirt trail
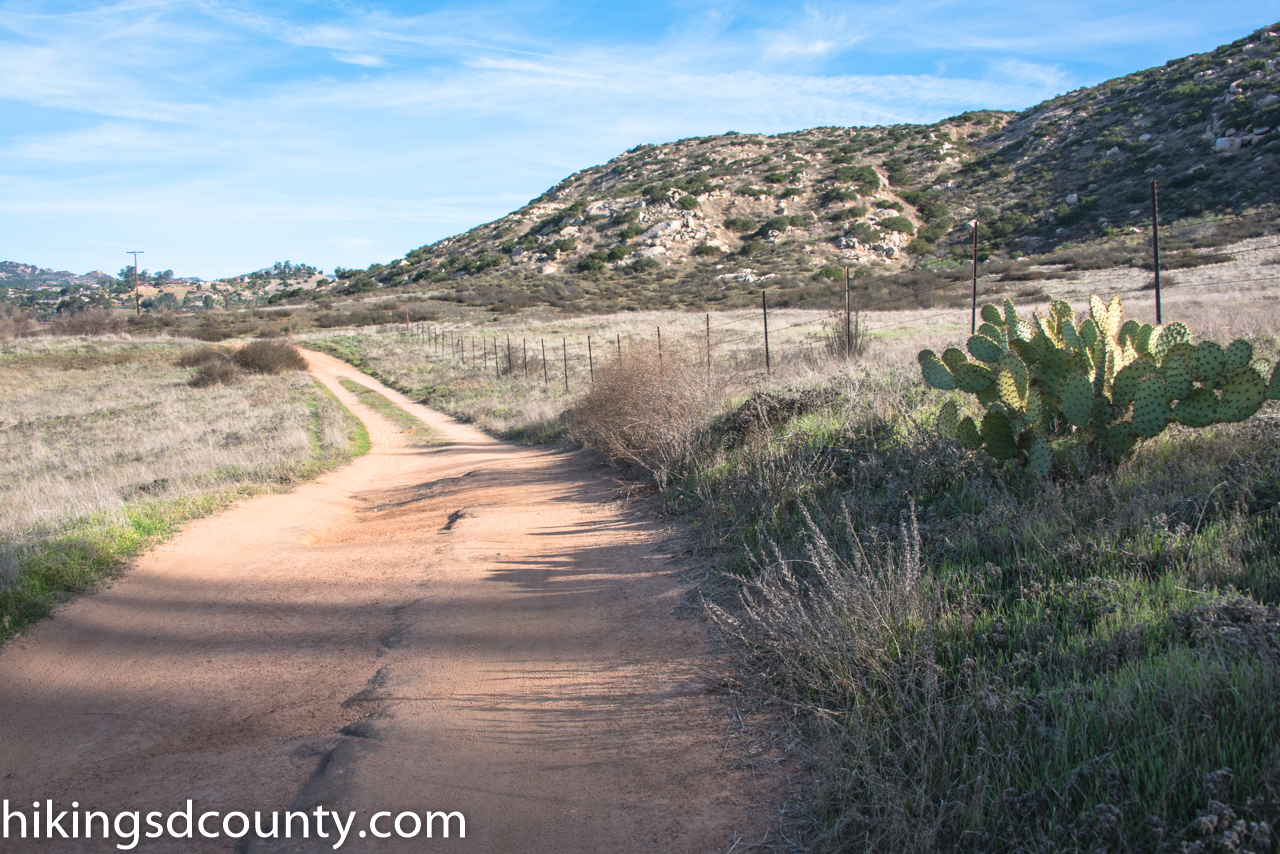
<point>466,627</point>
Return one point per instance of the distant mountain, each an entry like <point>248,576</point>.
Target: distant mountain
<point>16,275</point>
<point>704,221</point>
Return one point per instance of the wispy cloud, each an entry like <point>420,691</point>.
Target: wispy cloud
<point>341,133</point>
<point>365,59</point>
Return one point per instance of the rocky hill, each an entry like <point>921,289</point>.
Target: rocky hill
<point>705,221</point>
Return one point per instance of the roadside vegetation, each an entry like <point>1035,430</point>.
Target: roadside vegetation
<point>990,661</point>
<point>107,446</point>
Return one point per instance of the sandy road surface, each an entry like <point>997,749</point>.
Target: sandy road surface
<point>466,627</point>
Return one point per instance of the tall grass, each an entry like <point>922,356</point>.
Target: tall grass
<point>106,447</point>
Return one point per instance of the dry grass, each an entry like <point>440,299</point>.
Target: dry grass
<point>97,438</point>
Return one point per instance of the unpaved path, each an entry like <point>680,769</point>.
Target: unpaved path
<point>467,627</point>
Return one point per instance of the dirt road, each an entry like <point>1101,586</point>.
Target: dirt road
<point>468,627</point>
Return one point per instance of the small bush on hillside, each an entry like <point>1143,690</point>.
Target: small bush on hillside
<point>216,373</point>
<point>270,357</point>
<point>707,249</point>
<point>898,223</point>
<point>740,224</point>
<point>594,261</point>
<point>688,203</point>
<point>846,214</point>
<point>630,230</point>
<point>203,356</point>
<point>619,252</point>
<point>644,265</point>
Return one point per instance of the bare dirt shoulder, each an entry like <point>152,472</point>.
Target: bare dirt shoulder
<point>470,626</point>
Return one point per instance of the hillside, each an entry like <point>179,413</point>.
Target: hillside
<point>705,221</point>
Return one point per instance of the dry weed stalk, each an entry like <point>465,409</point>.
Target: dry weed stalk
<point>647,409</point>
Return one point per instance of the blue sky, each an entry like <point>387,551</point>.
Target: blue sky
<point>220,137</point>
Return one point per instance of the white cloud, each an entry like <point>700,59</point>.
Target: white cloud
<point>365,59</point>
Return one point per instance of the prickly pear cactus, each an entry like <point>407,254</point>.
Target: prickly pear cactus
<point>1059,381</point>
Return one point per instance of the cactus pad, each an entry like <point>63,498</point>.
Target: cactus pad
<point>1097,309</point>
<point>1209,362</point>
<point>1239,353</point>
<point>1027,352</point>
<point>1142,341</point>
<point>1077,399</point>
<point>1273,387</point>
<point>1177,375</point>
<point>1120,439</point>
<point>991,314</point>
<point>1039,457</point>
<point>1151,412</point>
<point>984,349</point>
<point>1089,333</point>
<point>949,419</point>
<point>997,432</point>
<point>973,378</point>
<point>935,373</point>
<point>992,332</point>
<point>1129,332</point>
<point>1061,311</point>
<point>1243,392</point>
<point>1197,409</point>
<point>1010,314</point>
<point>1053,369</point>
<point>1070,338</point>
<point>967,433</point>
<point>1014,365</point>
<point>1167,336</point>
<point>1008,388</point>
<point>954,357</point>
<point>1033,410</point>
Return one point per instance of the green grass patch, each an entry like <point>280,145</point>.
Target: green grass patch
<point>417,432</point>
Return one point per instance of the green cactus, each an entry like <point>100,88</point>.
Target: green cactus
<point>967,433</point>
<point>949,419</point>
<point>1054,382</point>
<point>1243,392</point>
<point>985,350</point>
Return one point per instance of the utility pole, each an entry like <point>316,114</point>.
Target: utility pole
<point>619,348</point>
<point>564,342</point>
<point>591,365</point>
<point>973,317</point>
<point>708,343</point>
<point>1155,245</point>
<point>545,380</point>
<point>524,354</point>
<point>511,368</point>
<point>137,299</point>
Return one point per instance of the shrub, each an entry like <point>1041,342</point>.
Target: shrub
<point>864,178</point>
<point>832,273</point>
<point>740,224</point>
<point>217,373</point>
<point>619,252</point>
<point>707,249</point>
<point>865,232</point>
<point>630,230</point>
<point>889,204</point>
<point>204,356</point>
<point>594,261</point>
<point>644,265</point>
<point>846,214</point>
<point>647,409</point>
<point>92,321</point>
<point>270,357</point>
<point>919,246</point>
<point>898,223</point>
<point>564,244</point>
<point>777,177</point>
<point>687,203</point>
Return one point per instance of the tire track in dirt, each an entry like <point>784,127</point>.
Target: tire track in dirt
<point>470,626</point>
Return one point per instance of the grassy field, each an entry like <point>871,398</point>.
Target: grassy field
<point>106,447</point>
<point>989,662</point>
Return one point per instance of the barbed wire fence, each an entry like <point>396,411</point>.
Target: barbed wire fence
<point>747,345</point>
